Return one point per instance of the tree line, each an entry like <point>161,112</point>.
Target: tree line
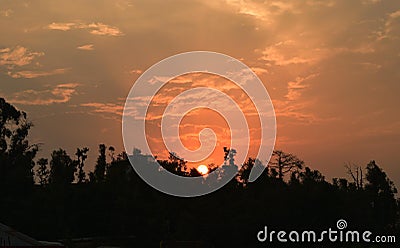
<point>55,199</point>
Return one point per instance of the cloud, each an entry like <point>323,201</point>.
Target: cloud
<point>110,108</point>
<point>290,52</point>
<point>390,129</point>
<point>392,27</point>
<point>88,47</point>
<point>96,28</point>
<point>370,66</point>
<point>295,87</point>
<point>294,106</point>
<point>296,111</point>
<point>63,26</point>
<point>6,13</point>
<point>321,3</point>
<point>106,110</point>
<point>267,11</point>
<point>35,74</point>
<point>250,8</point>
<point>263,11</point>
<point>103,29</point>
<point>259,71</point>
<point>371,1</point>
<point>286,53</point>
<point>61,93</point>
<point>135,71</point>
<point>17,56</point>
<point>123,4</point>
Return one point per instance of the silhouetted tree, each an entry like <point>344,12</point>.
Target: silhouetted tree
<point>356,175</point>
<point>311,176</point>
<point>284,163</point>
<point>16,154</point>
<point>111,153</point>
<point>341,183</point>
<point>193,172</point>
<point>43,171</point>
<point>122,156</point>
<point>381,191</point>
<point>229,155</point>
<point>119,171</point>
<point>175,165</point>
<point>101,164</point>
<point>110,208</point>
<point>62,168</point>
<point>81,157</point>
<point>244,172</point>
<point>92,177</point>
<point>378,182</point>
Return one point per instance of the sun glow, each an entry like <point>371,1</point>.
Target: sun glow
<point>202,169</point>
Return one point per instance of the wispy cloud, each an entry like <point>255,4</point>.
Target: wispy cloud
<point>135,71</point>
<point>263,10</point>
<point>286,53</point>
<point>392,27</point>
<point>295,87</point>
<point>294,106</point>
<point>105,107</point>
<point>371,1</point>
<point>61,93</point>
<point>105,110</point>
<point>35,74</point>
<point>88,47</point>
<point>259,71</point>
<point>6,12</point>
<point>96,28</point>
<point>295,111</point>
<point>123,4</point>
<point>103,29</point>
<point>17,56</point>
<point>63,26</point>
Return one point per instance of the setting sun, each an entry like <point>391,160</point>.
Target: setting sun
<point>202,169</point>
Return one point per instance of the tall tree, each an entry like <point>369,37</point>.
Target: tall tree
<point>16,154</point>
<point>284,163</point>
<point>309,176</point>
<point>62,168</point>
<point>81,155</point>
<point>356,174</point>
<point>43,171</point>
<point>174,164</point>
<point>111,153</point>
<point>101,164</point>
<point>378,182</point>
<point>381,191</point>
<point>244,172</point>
<point>229,156</point>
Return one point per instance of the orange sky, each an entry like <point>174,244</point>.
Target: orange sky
<point>330,67</point>
<point>199,119</point>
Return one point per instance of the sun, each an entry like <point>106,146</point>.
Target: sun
<point>202,169</point>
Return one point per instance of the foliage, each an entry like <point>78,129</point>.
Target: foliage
<point>283,163</point>
<point>117,202</point>
<point>16,154</point>
<point>81,155</point>
<point>62,168</point>
<point>100,169</point>
<point>43,171</point>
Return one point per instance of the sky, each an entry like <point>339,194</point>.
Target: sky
<point>330,67</point>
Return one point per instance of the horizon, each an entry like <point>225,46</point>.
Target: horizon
<point>333,78</point>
